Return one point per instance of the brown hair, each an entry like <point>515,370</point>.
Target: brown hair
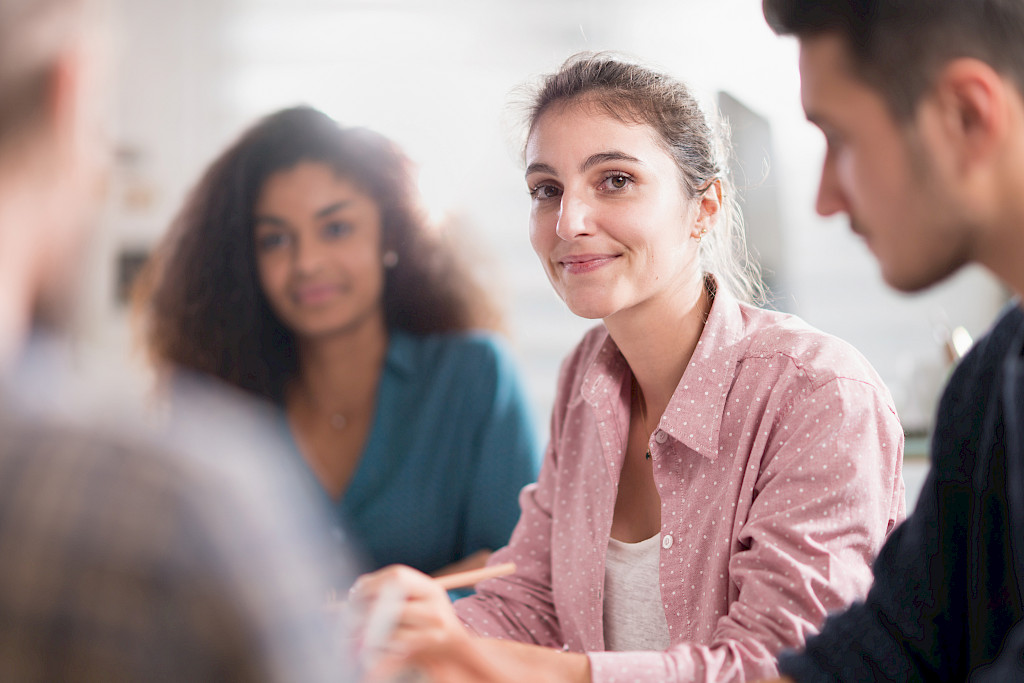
<point>898,47</point>
<point>200,298</point>
<point>634,93</point>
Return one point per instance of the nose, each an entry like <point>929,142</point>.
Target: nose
<point>307,256</point>
<point>830,195</point>
<point>573,217</point>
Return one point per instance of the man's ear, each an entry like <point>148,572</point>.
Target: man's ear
<point>973,99</point>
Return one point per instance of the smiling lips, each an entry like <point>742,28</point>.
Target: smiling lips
<point>314,295</point>
<point>585,263</point>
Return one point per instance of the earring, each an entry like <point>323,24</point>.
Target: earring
<point>390,258</point>
<point>703,231</point>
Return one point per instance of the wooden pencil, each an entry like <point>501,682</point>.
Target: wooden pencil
<point>475,576</point>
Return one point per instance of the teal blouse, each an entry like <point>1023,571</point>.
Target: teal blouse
<point>451,445</point>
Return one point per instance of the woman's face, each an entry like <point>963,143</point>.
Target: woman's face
<point>318,251</point>
<point>610,219</point>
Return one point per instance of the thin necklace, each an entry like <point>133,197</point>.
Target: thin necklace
<point>335,418</point>
<point>640,404</point>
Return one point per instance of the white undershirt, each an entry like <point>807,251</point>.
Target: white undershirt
<point>634,616</point>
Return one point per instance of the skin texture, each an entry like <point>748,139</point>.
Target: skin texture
<point>608,216</point>
<point>318,251</point>
<point>617,235</point>
<point>914,191</point>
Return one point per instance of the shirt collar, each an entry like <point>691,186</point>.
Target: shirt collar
<point>694,413</point>
<point>697,406</point>
<point>401,355</point>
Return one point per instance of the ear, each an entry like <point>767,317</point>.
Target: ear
<point>707,212</point>
<point>973,101</point>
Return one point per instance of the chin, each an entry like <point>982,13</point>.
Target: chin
<point>587,309</point>
<point>911,282</point>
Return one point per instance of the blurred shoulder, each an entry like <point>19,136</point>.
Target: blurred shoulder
<point>471,350</point>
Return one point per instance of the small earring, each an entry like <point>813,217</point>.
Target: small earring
<point>390,258</point>
<point>703,231</point>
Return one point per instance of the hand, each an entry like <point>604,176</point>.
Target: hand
<point>406,615</point>
<point>427,636</point>
<point>486,660</point>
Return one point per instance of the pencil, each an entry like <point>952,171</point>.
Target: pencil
<point>475,576</point>
<point>447,582</point>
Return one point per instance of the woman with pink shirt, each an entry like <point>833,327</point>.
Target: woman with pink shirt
<point>719,477</point>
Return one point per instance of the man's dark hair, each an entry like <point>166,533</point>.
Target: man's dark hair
<point>898,46</point>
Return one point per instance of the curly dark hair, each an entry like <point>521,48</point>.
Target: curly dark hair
<point>199,298</point>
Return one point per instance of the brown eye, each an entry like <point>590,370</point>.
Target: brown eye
<point>616,182</point>
<point>544,191</point>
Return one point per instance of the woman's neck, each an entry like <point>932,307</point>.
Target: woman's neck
<point>658,339</point>
<point>341,370</point>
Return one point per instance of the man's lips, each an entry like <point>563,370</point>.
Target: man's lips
<point>585,263</point>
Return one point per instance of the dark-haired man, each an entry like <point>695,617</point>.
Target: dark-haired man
<point>121,560</point>
<point>921,105</point>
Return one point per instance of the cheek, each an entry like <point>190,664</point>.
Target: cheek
<point>272,273</point>
<point>540,234</point>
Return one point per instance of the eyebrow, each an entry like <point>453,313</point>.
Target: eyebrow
<point>270,220</point>
<point>588,163</point>
<point>328,210</point>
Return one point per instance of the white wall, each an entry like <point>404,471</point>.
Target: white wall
<point>436,77</point>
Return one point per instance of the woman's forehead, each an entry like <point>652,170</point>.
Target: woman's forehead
<point>582,131</point>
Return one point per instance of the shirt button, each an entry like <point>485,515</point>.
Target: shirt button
<point>660,436</point>
<point>666,541</point>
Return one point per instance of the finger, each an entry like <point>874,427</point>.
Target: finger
<point>413,581</point>
<point>429,615</point>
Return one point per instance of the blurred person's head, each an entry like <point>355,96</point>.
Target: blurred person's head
<point>623,160</point>
<point>302,229</point>
<point>52,154</point>
<point>920,105</point>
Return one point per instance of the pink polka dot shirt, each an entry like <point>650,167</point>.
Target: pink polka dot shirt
<point>778,462</point>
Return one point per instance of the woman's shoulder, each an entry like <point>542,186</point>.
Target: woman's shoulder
<point>819,355</point>
<point>480,342</point>
<point>468,353</point>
